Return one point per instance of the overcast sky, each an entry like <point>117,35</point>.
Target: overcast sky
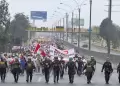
<point>98,13</point>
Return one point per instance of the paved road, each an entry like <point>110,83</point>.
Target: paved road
<point>95,48</point>
<point>38,80</point>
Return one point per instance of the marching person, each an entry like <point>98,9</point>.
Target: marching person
<point>80,66</point>
<point>38,64</point>
<point>107,67</point>
<point>118,71</point>
<point>16,69</point>
<point>47,66</point>
<point>22,63</point>
<point>3,66</point>
<point>89,71</point>
<point>71,69</point>
<point>56,69</point>
<point>62,67</point>
<point>93,62</point>
<point>29,70</point>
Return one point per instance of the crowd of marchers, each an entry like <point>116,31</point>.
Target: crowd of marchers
<point>58,67</point>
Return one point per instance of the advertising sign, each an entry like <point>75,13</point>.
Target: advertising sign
<point>76,22</point>
<point>39,15</point>
<point>59,28</point>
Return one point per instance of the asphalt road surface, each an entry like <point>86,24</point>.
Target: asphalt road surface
<point>38,80</point>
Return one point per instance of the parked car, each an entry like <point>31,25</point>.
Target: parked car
<point>85,45</point>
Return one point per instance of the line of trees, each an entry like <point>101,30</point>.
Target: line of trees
<point>12,32</point>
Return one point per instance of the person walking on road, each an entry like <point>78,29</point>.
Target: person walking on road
<point>56,69</point>
<point>16,69</point>
<point>62,67</point>
<point>80,66</point>
<point>107,67</point>
<point>47,66</point>
<point>118,71</point>
<point>93,62</point>
<point>89,71</point>
<point>71,70</point>
<point>29,70</point>
<point>3,66</point>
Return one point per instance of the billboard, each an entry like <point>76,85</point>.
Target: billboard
<point>59,28</point>
<point>76,22</point>
<point>39,15</point>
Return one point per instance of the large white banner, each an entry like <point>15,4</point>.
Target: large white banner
<point>55,51</point>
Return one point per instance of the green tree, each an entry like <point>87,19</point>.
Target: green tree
<point>108,32</point>
<point>18,27</point>
<point>4,25</point>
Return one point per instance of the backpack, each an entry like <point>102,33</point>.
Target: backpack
<point>89,68</point>
<point>71,65</point>
<point>2,65</point>
<point>46,65</point>
<point>29,65</point>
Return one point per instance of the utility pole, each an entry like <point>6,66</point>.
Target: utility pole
<point>109,16</point>
<point>79,30</point>
<point>110,9</point>
<point>90,25</point>
<point>72,27</point>
<point>60,27</point>
<point>67,26</point>
<point>64,29</point>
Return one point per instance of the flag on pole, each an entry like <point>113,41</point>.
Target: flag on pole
<point>37,48</point>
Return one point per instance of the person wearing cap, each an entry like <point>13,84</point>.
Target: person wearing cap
<point>71,69</point>
<point>107,67</point>
<point>89,69</point>
<point>56,69</point>
<point>29,70</point>
<point>93,62</point>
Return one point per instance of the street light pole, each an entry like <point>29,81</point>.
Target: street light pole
<point>60,27</point>
<point>67,26</point>
<point>90,25</point>
<point>79,30</point>
<point>72,27</point>
<point>110,9</point>
<point>64,30</point>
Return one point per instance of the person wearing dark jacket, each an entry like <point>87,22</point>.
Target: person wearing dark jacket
<point>29,70</point>
<point>16,69</point>
<point>80,66</point>
<point>62,67</point>
<point>89,71</point>
<point>107,67</point>
<point>71,70</point>
<point>118,71</point>
<point>56,69</point>
<point>3,66</point>
<point>47,66</point>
